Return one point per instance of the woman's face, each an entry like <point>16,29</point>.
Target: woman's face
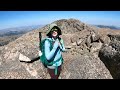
<point>54,33</point>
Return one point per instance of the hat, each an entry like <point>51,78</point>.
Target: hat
<point>52,27</point>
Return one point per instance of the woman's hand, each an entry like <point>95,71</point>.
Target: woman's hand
<point>60,36</point>
<point>58,42</point>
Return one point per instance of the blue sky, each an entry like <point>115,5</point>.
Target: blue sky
<point>10,19</point>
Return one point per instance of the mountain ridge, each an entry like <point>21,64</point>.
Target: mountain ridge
<point>108,26</point>
<point>10,34</point>
<point>17,30</point>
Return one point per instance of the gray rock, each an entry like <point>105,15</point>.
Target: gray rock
<point>88,41</point>
<point>74,38</point>
<point>79,42</point>
<point>114,37</point>
<point>94,37</point>
<point>105,39</point>
<point>24,58</point>
<point>85,67</point>
<point>110,55</point>
<point>95,47</point>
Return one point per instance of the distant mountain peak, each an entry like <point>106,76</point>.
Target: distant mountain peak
<point>108,26</point>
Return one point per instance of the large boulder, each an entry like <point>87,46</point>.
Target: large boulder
<point>84,67</point>
<point>110,55</point>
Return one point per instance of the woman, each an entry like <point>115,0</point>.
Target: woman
<point>54,54</point>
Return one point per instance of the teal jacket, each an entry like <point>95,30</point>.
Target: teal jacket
<point>56,51</point>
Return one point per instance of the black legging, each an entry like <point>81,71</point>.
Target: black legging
<point>52,73</point>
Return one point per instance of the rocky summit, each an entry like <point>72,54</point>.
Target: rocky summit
<point>90,54</point>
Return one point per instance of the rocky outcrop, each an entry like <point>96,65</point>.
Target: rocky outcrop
<point>110,55</point>
<point>84,66</point>
<point>81,60</point>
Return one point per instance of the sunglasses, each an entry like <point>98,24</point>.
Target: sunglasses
<point>54,30</point>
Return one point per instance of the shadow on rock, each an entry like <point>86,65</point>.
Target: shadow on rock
<point>33,60</point>
<point>111,58</point>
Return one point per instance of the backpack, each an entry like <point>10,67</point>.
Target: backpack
<point>43,58</point>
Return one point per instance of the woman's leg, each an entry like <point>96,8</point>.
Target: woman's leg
<point>52,73</point>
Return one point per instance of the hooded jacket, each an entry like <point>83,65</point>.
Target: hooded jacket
<point>56,50</point>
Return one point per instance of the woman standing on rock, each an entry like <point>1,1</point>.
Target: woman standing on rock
<point>53,46</point>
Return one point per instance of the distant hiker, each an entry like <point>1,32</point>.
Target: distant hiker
<point>51,49</point>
